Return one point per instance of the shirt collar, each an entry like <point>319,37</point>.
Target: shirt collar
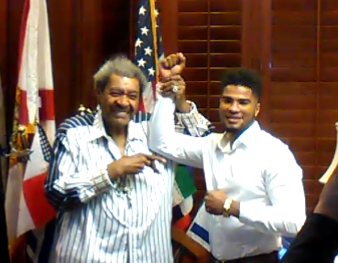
<point>135,131</point>
<point>247,138</point>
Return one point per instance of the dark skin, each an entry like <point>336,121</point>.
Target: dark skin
<point>238,109</point>
<point>170,69</point>
<point>328,199</point>
<point>119,102</point>
<point>166,90</point>
<point>131,165</point>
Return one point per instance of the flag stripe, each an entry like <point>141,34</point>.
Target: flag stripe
<point>184,222</point>
<point>23,114</point>
<point>200,231</point>
<point>39,208</point>
<point>47,109</point>
<point>12,201</point>
<point>153,86</point>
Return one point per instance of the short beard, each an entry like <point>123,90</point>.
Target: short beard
<point>231,130</point>
<point>237,131</point>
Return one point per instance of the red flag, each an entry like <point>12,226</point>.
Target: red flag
<point>34,103</point>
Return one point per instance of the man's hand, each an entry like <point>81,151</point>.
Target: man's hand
<point>171,65</point>
<point>214,201</point>
<point>328,199</point>
<point>166,88</point>
<point>132,164</point>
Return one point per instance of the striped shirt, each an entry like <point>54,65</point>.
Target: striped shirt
<point>99,221</point>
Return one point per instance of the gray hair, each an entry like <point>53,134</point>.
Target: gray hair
<point>122,66</point>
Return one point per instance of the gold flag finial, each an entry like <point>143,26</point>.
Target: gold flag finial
<point>82,110</point>
<point>19,145</point>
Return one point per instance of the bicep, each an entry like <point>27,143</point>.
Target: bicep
<point>184,149</point>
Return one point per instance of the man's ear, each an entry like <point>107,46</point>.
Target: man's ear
<point>258,108</point>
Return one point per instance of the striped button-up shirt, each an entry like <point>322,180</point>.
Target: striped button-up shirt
<point>99,221</point>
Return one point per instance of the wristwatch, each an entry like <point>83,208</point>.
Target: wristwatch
<point>226,207</point>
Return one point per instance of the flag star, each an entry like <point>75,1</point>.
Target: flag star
<point>148,51</point>
<point>151,71</point>
<point>138,43</point>
<point>141,62</point>
<point>144,31</point>
<point>156,13</point>
<point>142,11</point>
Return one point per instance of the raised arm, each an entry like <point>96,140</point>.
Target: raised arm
<point>189,120</point>
<point>165,141</point>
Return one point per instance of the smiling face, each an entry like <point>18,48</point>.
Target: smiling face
<point>238,108</point>
<point>119,101</point>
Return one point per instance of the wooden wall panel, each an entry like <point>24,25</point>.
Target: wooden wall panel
<point>327,106</point>
<point>168,11</point>
<point>83,35</point>
<point>303,84</point>
<point>293,87</point>
<point>66,56</point>
<point>210,35</point>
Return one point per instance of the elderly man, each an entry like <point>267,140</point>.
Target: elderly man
<point>114,196</point>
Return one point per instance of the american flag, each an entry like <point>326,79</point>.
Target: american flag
<point>148,49</point>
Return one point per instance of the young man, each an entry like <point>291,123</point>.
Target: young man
<point>254,184</point>
<point>113,195</point>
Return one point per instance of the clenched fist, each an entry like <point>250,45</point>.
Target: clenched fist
<point>171,65</point>
<point>214,201</point>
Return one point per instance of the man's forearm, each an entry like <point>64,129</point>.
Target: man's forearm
<point>273,219</point>
<point>183,107</point>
